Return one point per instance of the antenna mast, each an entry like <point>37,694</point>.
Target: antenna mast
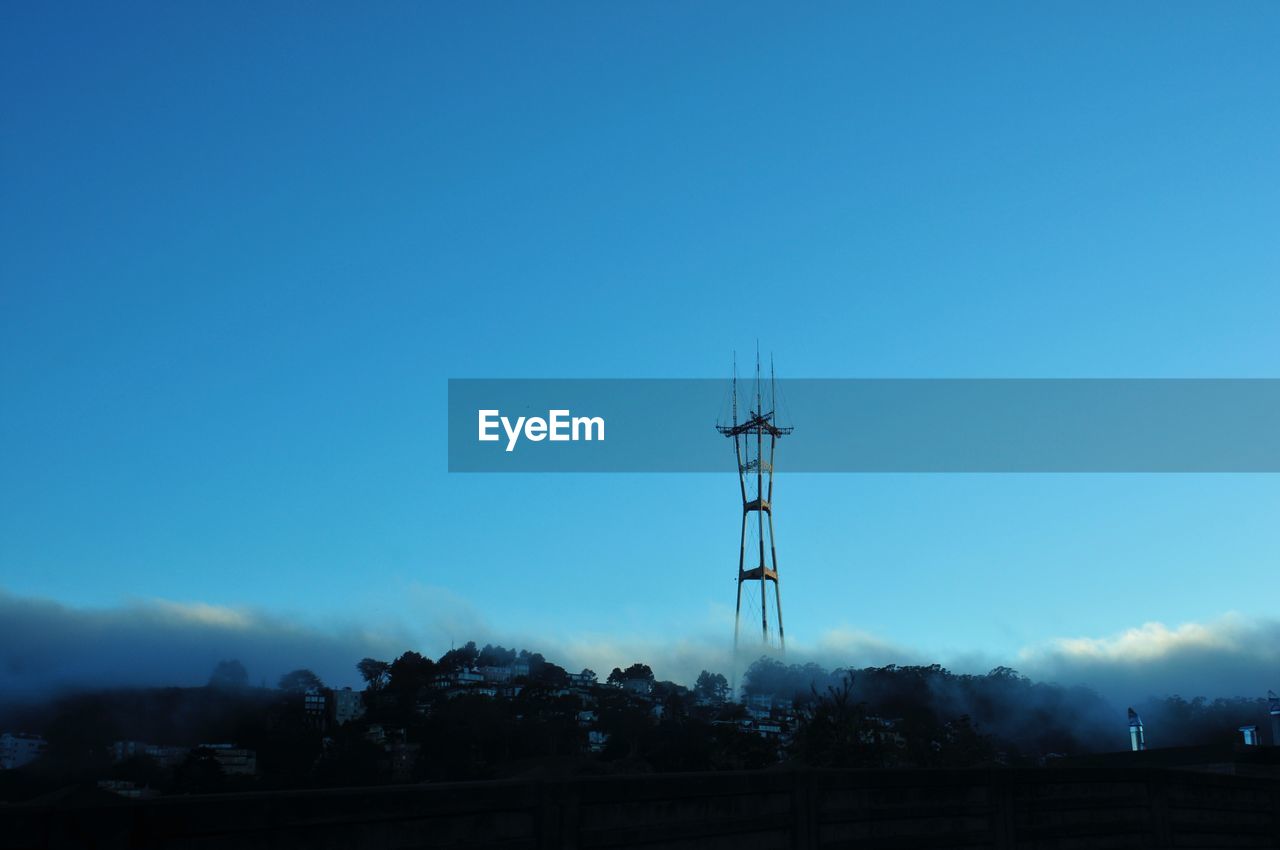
<point>751,457</point>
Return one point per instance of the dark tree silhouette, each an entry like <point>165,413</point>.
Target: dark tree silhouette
<point>229,674</point>
<point>533,659</point>
<point>551,675</point>
<point>420,724</point>
<point>460,658</point>
<point>298,681</point>
<point>833,730</point>
<point>638,671</point>
<point>375,673</point>
<point>711,687</point>
<point>495,656</point>
<point>410,673</point>
<point>200,773</point>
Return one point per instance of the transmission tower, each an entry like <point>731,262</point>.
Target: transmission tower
<point>755,465</point>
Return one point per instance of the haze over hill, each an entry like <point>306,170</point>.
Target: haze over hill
<point>47,645</point>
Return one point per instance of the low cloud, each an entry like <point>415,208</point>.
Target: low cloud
<point>47,646</point>
<point>1230,656</point>
<point>682,659</point>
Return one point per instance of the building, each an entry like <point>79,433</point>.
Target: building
<point>881,731</point>
<point>496,674</point>
<point>164,756</point>
<point>459,678</point>
<point>640,686</point>
<point>1137,738</point>
<point>398,755</point>
<point>124,788</point>
<point>168,756</point>
<point>760,706</point>
<point>596,740</point>
<point>314,706</point>
<point>346,705</point>
<point>234,761</point>
<point>585,679</point>
<point>125,750</point>
<point>769,730</point>
<point>17,749</point>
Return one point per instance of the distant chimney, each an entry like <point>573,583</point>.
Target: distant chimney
<point>1273,703</point>
<point>1136,740</point>
<point>1250,735</point>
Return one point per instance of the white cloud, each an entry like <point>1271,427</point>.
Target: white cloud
<point>1149,642</point>
<point>196,612</point>
<point>1231,655</point>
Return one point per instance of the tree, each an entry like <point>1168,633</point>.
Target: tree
<point>711,687</point>
<point>833,730</point>
<point>229,674</point>
<point>375,673</point>
<point>964,745</point>
<point>300,681</point>
<point>533,659</point>
<point>552,675</point>
<point>770,677</point>
<point>200,773</point>
<point>410,673</point>
<point>635,673</point>
<point>495,656</point>
<point>638,671</point>
<point>462,658</point>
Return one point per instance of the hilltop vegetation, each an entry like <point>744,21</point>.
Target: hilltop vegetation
<point>491,712</point>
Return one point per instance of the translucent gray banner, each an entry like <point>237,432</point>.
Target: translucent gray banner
<point>857,425</point>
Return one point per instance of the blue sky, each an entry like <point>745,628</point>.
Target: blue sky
<point>244,248</point>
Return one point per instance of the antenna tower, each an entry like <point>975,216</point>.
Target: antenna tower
<point>755,484</point>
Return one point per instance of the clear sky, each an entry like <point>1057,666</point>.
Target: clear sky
<point>244,246</point>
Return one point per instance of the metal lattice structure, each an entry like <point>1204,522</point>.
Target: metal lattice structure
<point>756,465</point>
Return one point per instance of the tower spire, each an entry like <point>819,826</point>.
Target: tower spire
<point>754,457</point>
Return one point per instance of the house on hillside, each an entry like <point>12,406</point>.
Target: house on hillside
<point>17,749</point>
<point>345,705</point>
<point>640,686</point>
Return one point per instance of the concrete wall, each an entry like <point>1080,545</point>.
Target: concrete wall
<point>1027,810</point>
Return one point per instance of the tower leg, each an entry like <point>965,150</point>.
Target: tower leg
<point>737,617</point>
<point>777,593</point>
<point>777,581</point>
<point>737,608</point>
<point>764,613</point>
